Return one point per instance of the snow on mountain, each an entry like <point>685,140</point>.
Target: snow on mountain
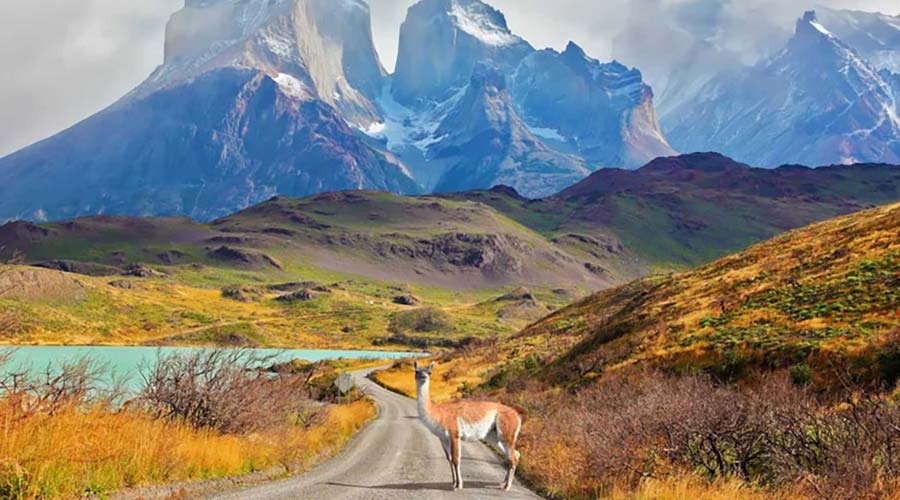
<point>815,102</point>
<point>603,111</point>
<point>326,44</point>
<point>441,41</point>
<point>875,36</point>
<point>483,23</point>
<point>570,106</point>
<point>255,98</point>
<point>485,142</point>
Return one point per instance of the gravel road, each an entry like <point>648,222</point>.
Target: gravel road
<point>395,457</point>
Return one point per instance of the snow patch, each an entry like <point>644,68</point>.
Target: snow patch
<point>821,29</point>
<point>481,26</point>
<point>547,133</point>
<point>292,86</point>
<point>403,127</point>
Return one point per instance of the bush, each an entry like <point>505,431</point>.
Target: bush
<point>425,320</point>
<point>226,390</point>
<point>774,434</point>
<point>53,389</point>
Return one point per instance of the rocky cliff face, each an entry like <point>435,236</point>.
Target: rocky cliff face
<point>230,138</point>
<point>326,45</point>
<point>816,102</point>
<point>441,41</point>
<point>486,143</point>
<point>552,118</point>
<point>605,111</point>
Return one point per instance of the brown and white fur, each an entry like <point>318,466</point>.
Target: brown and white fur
<point>458,421</point>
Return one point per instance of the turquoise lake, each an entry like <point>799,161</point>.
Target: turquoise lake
<point>127,361</point>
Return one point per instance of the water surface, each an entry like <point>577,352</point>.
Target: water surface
<point>125,362</point>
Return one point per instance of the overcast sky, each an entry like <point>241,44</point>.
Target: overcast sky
<point>63,60</point>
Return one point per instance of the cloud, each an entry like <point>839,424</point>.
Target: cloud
<point>64,60</point>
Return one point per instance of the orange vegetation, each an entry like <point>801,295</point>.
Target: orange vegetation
<point>74,453</point>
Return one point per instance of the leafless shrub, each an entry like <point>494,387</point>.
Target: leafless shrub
<point>50,390</point>
<point>773,434</point>
<point>226,390</point>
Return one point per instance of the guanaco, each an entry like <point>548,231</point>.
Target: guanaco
<point>452,422</point>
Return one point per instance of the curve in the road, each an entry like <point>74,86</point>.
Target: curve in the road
<point>395,457</point>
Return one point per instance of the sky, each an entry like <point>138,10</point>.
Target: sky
<point>64,60</point>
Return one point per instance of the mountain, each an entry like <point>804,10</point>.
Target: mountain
<point>441,41</point>
<point>605,111</point>
<point>580,114</point>
<point>611,228</point>
<point>264,97</point>
<point>875,36</point>
<point>487,143</point>
<point>679,72</point>
<point>688,210</point>
<point>815,102</point>
<point>255,98</point>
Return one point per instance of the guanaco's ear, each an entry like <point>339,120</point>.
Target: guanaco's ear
<point>430,367</point>
<point>416,365</point>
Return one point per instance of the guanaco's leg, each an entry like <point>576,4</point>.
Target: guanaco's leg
<point>445,444</point>
<point>455,453</point>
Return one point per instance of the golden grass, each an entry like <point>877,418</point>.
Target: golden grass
<point>165,311</point>
<point>690,487</point>
<point>449,377</point>
<point>75,452</point>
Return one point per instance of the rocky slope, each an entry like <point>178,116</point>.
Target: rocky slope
<point>816,102</point>
<point>820,294</point>
<point>433,241</point>
<point>487,143</point>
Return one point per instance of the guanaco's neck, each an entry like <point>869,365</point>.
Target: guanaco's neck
<point>424,397</point>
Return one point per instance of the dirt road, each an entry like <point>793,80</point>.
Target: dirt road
<point>393,458</point>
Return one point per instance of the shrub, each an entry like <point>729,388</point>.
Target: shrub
<point>226,390</point>
<point>774,434</point>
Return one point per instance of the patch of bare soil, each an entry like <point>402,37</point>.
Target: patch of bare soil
<point>32,283</point>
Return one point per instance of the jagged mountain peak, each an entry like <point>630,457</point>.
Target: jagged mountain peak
<point>322,47</point>
<point>441,41</point>
<point>875,36</point>
<point>817,101</point>
<point>472,17</point>
<point>810,30</point>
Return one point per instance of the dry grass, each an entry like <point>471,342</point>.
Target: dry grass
<point>690,487</point>
<point>77,452</point>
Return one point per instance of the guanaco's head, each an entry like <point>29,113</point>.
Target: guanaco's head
<point>423,374</point>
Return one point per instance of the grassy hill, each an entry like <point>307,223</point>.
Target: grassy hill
<point>357,268</point>
<point>814,300</point>
<point>326,271</point>
<point>684,211</point>
<point>811,298</point>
